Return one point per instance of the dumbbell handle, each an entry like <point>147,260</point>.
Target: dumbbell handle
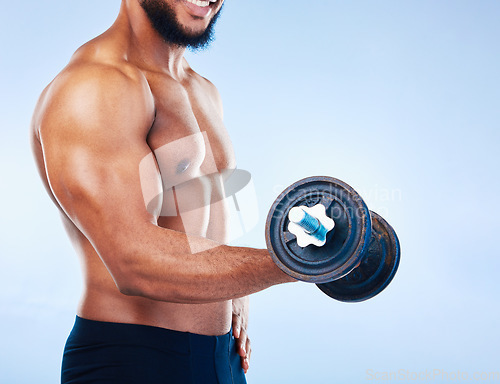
<point>309,223</point>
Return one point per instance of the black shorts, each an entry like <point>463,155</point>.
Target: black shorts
<point>102,352</point>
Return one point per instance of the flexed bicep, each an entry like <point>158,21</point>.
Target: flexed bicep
<point>92,126</point>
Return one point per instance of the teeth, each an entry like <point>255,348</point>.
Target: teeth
<point>201,3</point>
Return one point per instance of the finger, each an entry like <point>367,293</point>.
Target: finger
<point>242,344</point>
<point>236,326</point>
<point>245,361</point>
<point>245,364</point>
<point>248,349</point>
<point>238,347</point>
<point>236,332</point>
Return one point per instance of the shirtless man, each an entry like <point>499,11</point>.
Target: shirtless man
<point>161,292</point>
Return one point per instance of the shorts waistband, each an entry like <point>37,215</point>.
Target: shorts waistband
<point>97,332</point>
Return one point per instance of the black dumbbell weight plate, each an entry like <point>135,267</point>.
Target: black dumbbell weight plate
<point>344,245</point>
<point>376,269</point>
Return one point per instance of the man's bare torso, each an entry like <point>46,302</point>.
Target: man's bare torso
<point>184,116</point>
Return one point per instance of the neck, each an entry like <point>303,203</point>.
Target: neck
<point>145,43</point>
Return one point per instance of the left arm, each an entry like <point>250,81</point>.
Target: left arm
<point>241,305</point>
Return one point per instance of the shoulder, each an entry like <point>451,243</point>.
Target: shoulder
<point>97,92</point>
<point>209,89</point>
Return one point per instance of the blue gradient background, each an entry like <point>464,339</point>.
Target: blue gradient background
<point>400,99</point>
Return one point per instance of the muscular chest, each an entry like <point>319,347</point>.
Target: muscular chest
<point>188,137</point>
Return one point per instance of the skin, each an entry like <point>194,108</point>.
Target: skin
<point>123,96</point>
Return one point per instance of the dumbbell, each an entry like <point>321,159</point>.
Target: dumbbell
<point>320,230</point>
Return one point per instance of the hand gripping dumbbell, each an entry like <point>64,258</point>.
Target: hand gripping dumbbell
<point>320,230</point>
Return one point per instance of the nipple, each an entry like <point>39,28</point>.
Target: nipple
<point>183,166</point>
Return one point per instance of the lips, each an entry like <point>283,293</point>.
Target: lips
<point>200,8</point>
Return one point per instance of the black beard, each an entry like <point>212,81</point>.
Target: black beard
<point>164,21</point>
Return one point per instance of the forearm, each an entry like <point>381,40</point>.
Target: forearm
<point>164,268</point>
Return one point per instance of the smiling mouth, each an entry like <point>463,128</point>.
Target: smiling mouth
<point>200,9</point>
<point>201,3</point>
